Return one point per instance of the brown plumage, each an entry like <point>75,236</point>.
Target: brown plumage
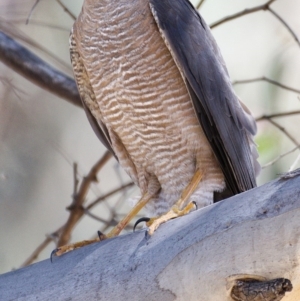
<point>158,95</point>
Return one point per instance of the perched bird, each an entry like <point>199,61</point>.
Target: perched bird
<point>157,92</point>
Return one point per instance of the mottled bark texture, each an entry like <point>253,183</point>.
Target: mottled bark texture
<point>190,258</point>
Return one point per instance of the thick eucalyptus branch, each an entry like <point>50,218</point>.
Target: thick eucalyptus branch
<point>243,248</point>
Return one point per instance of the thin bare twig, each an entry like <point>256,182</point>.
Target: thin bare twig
<point>283,130</point>
<point>266,79</point>
<point>76,209</point>
<point>31,11</point>
<point>97,218</point>
<point>41,247</point>
<point>281,156</point>
<point>243,13</point>
<point>200,3</point>
<point>267,117</point>
<point>80,213</point>
<point>293,166</point>
<point>66,9</point>
<point>40,24</point>
<point>75,178</point>
<point>123,187</point>
<point>102,198</point>
<point>9,83</point>
<point>285,24</point>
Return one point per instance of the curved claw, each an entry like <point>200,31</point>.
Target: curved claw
<point>53,253</point>
<point>195,205</point>
<point>142,219</point>
<point>101,236</point>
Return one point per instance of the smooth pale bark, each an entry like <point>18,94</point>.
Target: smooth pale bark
<point>190,258</point>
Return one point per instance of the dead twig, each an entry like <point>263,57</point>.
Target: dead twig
<point>75,217</point>
<point>280,157</point>
<point>243,13</point>
<point>40,24</point>
<point>41,247</point>
<point>75,178</point>
<point>293,166</point>
<point>121,188</point>
<point>95,217</point>
<point>267,117</point>
<point>255,9</point>
<point>266,79</point>
<point>31,11</point>
<point>283,130</point>
<point>285,25</point>
<point>76,208</point>
<point>66,10</point>
<point>200,3</point>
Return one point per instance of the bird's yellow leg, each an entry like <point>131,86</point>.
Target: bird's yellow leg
<point>114,232</point>
<point>125,221</point>
<point>178,209</point>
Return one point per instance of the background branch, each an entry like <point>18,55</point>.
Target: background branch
<point>266,79</point>
<point>276,115</point>
<point>243,13</point>
<point>285,25</point>
<point>66,10</point>
<point>76,208</point>
<point>200,3</point>
<point>27,64</point>
<point>280,157</point>
<point>283,130</point>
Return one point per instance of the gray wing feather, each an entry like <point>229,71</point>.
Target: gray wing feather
<point>227,126</point>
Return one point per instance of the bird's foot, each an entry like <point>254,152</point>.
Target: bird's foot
<point>154,222</point>
<point>114,232</point>
<point>67,248</point>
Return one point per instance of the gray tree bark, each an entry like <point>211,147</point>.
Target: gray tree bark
<point>254,235</point>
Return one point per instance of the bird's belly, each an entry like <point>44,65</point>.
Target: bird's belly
<point>144,103</point>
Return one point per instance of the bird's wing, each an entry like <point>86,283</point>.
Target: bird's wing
<point>227,125</point>
<point>87,94</point>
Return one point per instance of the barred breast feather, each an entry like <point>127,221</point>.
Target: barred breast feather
<point>154,86</point>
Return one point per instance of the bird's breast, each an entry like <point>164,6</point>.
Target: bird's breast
<point>141,96</point>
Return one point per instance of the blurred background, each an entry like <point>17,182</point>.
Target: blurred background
<point>42,136</point>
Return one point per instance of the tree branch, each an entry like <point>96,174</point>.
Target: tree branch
<point>27,64</point>
<point>76,208</point>
<point>243,13</point>
<point>285,25</point>
<point>280,157</point>
<point>255,9</point>
<point>101,198</point>
<point>66,9</point>
<point>284,131</point>
<point>266,79</point>
<point>31,11</point>
<point>200,4</point>
<point>41,247</point>
<point>276,115</point>
<point>202,256</point>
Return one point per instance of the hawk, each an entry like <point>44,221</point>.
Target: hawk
<point>158,95</point>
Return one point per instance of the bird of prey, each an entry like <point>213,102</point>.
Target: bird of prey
<point>158,95</point>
